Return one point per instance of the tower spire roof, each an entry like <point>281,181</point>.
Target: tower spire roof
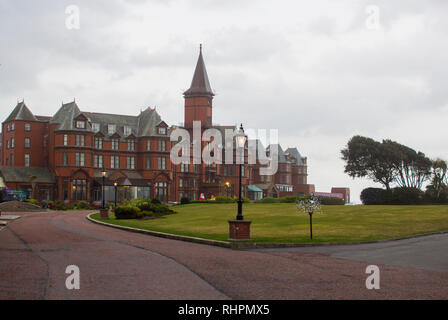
<point>200,83</point>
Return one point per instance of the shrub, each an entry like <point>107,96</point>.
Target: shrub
<point>221,199</point>
<point>126,212</point>
<point>269,200</point>
<point>374,196</point>
<point>406,196</point>
<point>161,209</point>
<point>288,199</point>
<point>148,213</point>
<point>155,201</point>
<point>83,205</point>
<point>331,201</point>
<point>184,200</point>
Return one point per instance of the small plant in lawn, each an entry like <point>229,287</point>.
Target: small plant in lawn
<point>309,206</point>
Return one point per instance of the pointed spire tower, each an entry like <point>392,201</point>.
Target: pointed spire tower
<point>199,98</point>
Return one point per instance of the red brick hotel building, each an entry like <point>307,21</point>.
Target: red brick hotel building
<point>61,157</point>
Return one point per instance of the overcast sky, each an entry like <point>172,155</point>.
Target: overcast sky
<point>319,71</point>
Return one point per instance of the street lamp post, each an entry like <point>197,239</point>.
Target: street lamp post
<point>103,173</point>
<point>241,142</point>
<point>115,186</point>
<point>239,229</point>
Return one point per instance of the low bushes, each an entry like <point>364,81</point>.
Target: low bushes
<point>293,199</point>
<point>185,200</point>
<point>127,212</point>
<point>401,196</point>
<point>331,201</point>
<point>141,208</point>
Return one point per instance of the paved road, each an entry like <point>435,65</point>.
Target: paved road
<point>428,252</point>
<point>114,264</point>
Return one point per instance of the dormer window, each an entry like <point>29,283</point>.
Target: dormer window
<point>162,131</point>
<point>80,124</point>
<point>95,127</point>
<point>111,128</point>
<point>127,130</point>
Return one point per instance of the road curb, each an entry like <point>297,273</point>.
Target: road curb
<point>243,245</point>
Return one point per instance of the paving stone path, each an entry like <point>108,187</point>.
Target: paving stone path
<point>36,250</point>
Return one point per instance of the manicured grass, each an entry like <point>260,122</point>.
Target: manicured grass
<point>283,223</point>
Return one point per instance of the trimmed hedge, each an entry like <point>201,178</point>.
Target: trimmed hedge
<point>400,196</point>
<point>374,196</point>
<point>127,212</point>
<point>141,208</point>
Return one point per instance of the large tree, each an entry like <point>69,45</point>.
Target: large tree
<point>411,168</point>
<point>386,162</point>
<point>366,157</point>
<point>439,176</point>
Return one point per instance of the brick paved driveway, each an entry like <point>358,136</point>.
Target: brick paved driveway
<point>36,249</point>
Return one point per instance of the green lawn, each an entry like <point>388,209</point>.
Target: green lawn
<point>283,223</point>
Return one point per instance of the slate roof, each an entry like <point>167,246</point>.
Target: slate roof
<point>294,152</point>
<point>16,174</point>
<point>200,83</point>
<point>21,112</point>
<point>281,153</point>
<point>143,125</point>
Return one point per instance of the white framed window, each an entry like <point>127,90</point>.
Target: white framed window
<point>27,143</point>
<point>80,159</point>
<point>148,163</point>
<point>131,162</point>
<point>80,124</point>
<point>115,162</point>
<point>162,145</point>
<point>98,161</point>
<point>111,128</point>
<point>80,140</point>
<point>127,130</point>
<point>131,145</point>
<point>161,163</point>
<point>98,143</point>
<point>115,144</point>
<point>65,159</point>
<point>95,127</point>
<point>65,139</point>
<point>148,145</point>
<point>27,127</point>
<point>162,131</point>
<point>12,143</point>
<point>27,160</point>
<point>13,127</point>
